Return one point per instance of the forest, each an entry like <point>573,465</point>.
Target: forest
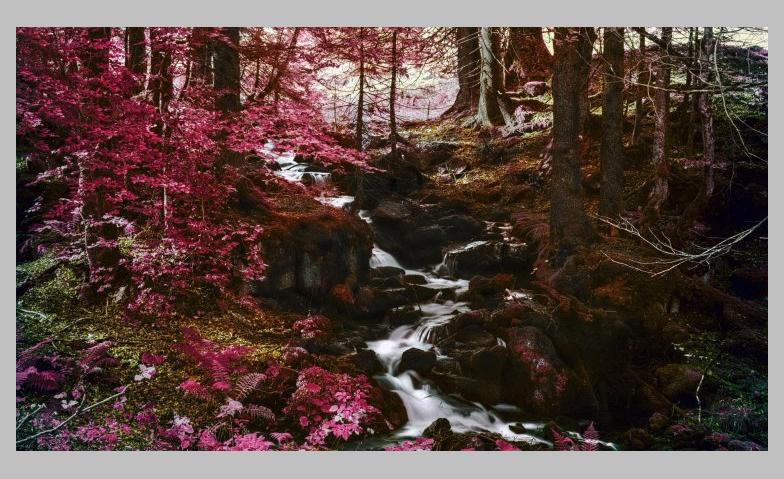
<point>391,238</point>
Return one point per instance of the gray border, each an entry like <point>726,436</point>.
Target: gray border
<point>352,13</point>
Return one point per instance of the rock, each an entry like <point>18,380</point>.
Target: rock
<point>535,88</point>
<point>418,360</point>
<point>389,282</point>
<point>422,293</point>
<point>367,361</point>
<point>415,279</point>
<point>389,211</point>
<point>436,152</point>
<point>399,178</point>
<point>438,428</point>
<point>658,422</point>
<point>488,364</point>
<point>482,289</point>
<point>404,315</point>
<point>460,227</point>
<point>475,336</point>
<point>678,383</point>
<point>487,258</point>
<point>386,272</point>
<point>313,254</point>
<point>376,301</point>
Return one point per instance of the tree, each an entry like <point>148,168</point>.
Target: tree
<point>643,78</point>
<point>226,64</point>
<point>392,94</point>
<point>361,99</point>
<point>136,54</point>
<point>611,200</point>
<point>490,78</point>
<point>527,57</point>
<point>661,106</point>
<point>468,66</point>
<point>569,224</point>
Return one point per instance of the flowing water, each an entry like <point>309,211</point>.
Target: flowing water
<point>423,401</point>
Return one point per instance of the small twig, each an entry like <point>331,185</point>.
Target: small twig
<point>699,386</point>
<point>29,415</point>
<point>73,416</point>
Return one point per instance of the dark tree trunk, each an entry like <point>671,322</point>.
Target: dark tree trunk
<point>392,93</point>
<point>586,55</point>
<point>227,70</point>
<point>136,55</point>
<point>694,99</point>
<point>527,57</point>
<point>468,65</point>
<point>201,56</point>
<point>161,81</point>
<point>700,202</point>
<point>643,77</point>
<point>96,58</point>
<point>611,200</point>
<point>490,78</point>
<point>661,106</point>
<point>361,100</point>
<point>569,224</point>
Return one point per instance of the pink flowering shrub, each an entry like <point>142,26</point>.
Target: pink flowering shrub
<point>588,442</point>
<point>331,404</point>
<point>313,326</point>
<point>418,444</point>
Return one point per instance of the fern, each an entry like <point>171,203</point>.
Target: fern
<point>257,411</point>
<point>590,441</point>
<point>247,383</point>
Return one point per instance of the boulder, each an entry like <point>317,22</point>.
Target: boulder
<point>367,361</point>
<point>678,383</point>
<point>314,253</point>
<point>419,360</point>
<point>458,227</point>
<point>487,258</point>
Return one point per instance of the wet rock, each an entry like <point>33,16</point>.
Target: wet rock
<point>486,258</point>
<point>678,383</point>
<point>405,315</point>
<point>482,290</point>
<point>422,293</point>
<point>418,360</point>
<point>475,336</point>
<point>376,301</point>
<point>313,254</point>
<point>367,361</point>
<point>389,211</point>
<point>387,282</point>
<point>399,178</point>
<point>438,428</point>
<point>386,272</point>
<point>415,279</point>
<point>488,363</point>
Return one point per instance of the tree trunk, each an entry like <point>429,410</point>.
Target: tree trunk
<point>611,200</point>
<point>392,93</point>
<point>201,56</point>
<point>661,106</point>
<point>693,104</point>
<point>161,81</point>
<point>361,100</point>
<point>280,67</point>
<point>569,224</point>
<point>468,66</point>
<point>96,58</point>
<point>136,55</point>
<point>643,77</point>
<point>227,70</point>
<point>490,78</point>
<point>700,202</point>
<point>527,57</point>
<point>586,55</point>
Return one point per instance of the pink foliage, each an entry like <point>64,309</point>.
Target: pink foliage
<point>418,444</point>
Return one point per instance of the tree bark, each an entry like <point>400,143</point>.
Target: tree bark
<point>586,56</point>
<point>569,224</point>
<point>161,81</point>
<point>227,70</point>
<point>392,94</point>
<point>700,202</point>
<point>361,99</point>
<point>661,106</point>
<point>527,57</point>
<point>201,56</point>
<point>136,55</point>
<point>640,91</point>
<point>490,78</point>
<point>611,199</point>
<point>468,66</point>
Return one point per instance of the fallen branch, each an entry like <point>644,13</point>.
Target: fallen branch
<point>670,256</point>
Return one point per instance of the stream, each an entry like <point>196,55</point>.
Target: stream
<point>423,401</point>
